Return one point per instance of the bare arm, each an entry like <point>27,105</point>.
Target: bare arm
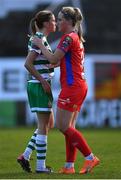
<point>55,65</point>
<point>55,57</point>
<point>30,67</point>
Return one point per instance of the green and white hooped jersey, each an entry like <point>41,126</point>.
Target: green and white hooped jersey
<point>41,64</point>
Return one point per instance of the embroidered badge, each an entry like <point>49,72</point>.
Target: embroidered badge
<point>66,42</point>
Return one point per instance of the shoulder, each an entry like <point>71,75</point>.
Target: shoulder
<point>32,47</point>
<point>39,35</point>
<point>74,35</point>
<point>67,39</point>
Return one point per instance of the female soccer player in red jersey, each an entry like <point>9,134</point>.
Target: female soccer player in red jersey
<point>70,53</point>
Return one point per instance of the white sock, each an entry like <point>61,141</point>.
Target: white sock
<point>90,157</point>
<point>27,153</point>
<point>69,164</point>
<point>31,146</point>
<point>41,147</point>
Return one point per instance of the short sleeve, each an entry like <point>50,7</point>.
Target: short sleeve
<point>32,47</point>
<point>65,43</point>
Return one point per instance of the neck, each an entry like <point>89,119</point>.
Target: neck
<point>69,30</point>
<point>44,31</point>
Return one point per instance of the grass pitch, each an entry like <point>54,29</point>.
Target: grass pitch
<point>105,143</point>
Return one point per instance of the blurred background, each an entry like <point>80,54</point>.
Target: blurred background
<point>102,32</point>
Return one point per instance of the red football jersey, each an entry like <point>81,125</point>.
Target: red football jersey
<point>72,64</point>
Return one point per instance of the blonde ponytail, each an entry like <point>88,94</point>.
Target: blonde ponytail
<point>79,18</point>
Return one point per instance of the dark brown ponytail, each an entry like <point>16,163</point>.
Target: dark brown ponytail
<point>32,26</point>
<point>40,18</point>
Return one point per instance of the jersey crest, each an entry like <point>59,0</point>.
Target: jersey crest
<point>66,42</point>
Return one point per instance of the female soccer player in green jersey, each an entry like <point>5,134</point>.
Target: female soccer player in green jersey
<point>39,91</point>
